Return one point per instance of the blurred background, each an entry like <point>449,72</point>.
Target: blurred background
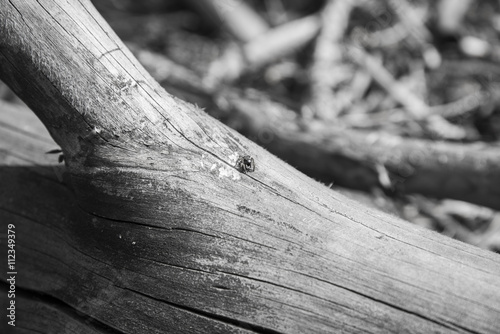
<point>393,103</point>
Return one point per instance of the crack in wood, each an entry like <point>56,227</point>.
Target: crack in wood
<point>216,317</point>
<point>87,322</point>
<point>442,323</point>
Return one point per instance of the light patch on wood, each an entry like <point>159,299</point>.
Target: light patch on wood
<point>220,261</point>
<point>233,158</point>
<point>110,190</point>
<point>225,171</point>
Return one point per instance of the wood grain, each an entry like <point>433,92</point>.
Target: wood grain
<point>154,230</point>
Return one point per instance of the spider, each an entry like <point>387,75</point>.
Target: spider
<point>245,164</point>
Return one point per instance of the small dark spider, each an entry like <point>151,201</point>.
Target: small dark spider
<point>245,164</point>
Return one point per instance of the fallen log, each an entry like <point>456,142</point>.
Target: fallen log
<point>350,158</point>
<point>155,229</point>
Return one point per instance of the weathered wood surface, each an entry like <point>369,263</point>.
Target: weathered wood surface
<point>154,230</point>
<point>350,158</point>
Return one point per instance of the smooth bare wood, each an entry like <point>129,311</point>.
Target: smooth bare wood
<point>155,230</point>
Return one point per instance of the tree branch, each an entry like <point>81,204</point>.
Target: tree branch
<point>158,231</point>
